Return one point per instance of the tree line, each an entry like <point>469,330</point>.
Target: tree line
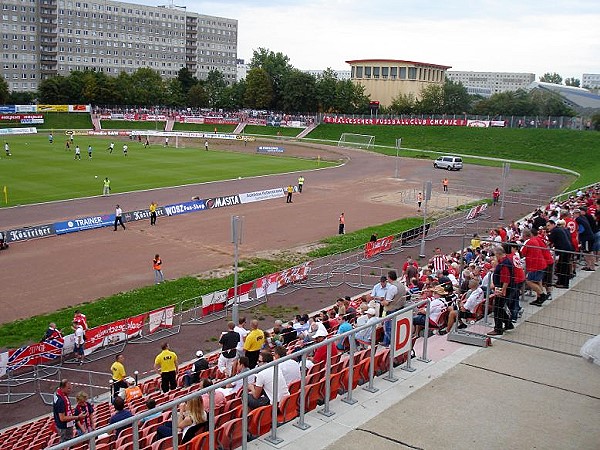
<point>272,83</point>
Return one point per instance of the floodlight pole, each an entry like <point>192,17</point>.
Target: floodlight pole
<point>505,171</point>
<point>398,145</point>
<point>427,196</point>
<point>236,239</point>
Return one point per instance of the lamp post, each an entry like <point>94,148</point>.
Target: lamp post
<point>398,146</point>
<point>427,197</point>
<point>236,239</point>
<point>505,171</point>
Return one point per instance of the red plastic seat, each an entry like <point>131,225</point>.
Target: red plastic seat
<point>229,435</point>
<point>288,408</point>
<point>312,398</point>
<point>259,420</point>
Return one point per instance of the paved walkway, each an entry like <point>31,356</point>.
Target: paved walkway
<point>506,396</point>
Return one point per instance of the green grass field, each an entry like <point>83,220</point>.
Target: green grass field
<point>39,172</point>
<point>272,131</point>
<point>203,127</point>
<point>57,121</point>
<point>575,150</point>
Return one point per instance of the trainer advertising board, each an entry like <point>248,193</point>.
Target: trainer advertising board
<point>267,149</point>
<point>183,208</point>
<point>259,196</point>
<point>410,121</point>
<point>379,246</point>
<point>161,318</point>
<point>403,323</point>
<point>213,302</point>
<point>219,202</point>
<point>84,223</point>
<point>24,234</point>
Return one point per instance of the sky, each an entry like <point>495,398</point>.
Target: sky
<point>487,35</point>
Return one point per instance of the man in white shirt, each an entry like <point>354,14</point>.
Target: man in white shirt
<point>378,293</point>
<point>261,391</point>
<point>290,368</point>
<point>467,306</point>
<point>79,341</point>
<point>241,330</point>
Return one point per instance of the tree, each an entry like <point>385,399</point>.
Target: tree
<point>456,98</point>
<point>187,80</point>
<point>549,104</point>
<point>596,122</point>
<point>299,92</point>
<point>259,90</point>
<point>52,90</point>
<point>4,94</point>
<point>174,93</point>
<point>232,97</point>
<point>575,82</point>
<point>350,98</point>
<point>147,87</point>
<point>553,78</point>
<point>431,101</point>
<point>325,89</point>
<point>19,98</point>
<point>214,85</point>
<point>277,66</point>
<point>197,96</point>
<point>403,104</point>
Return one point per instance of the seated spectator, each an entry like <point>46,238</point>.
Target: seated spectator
<point>219,395</point>
<point>363,337</point>
<point>120,414</point>
<point>343,344</point>
<point>261,391</point>
<point>240,366</point>
<point>436,308</point>
<point>288,333</point>
<point>193,376</point>
<point>86,424</point>
<point>290,368</point>
<point>151,404</point>
<point>320,354</point>
<point>132,391</point>
<point>192,419</point>
<point>467,306</point>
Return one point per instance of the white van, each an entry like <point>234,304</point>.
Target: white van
<point>448,163</point>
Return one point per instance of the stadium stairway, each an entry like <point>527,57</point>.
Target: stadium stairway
<point>169,125</point>
<point>96,122</point>
<point>240,128</point>
<point>307,130</point>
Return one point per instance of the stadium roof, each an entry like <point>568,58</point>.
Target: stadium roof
<point>575,97</point>
<point>397,61</point>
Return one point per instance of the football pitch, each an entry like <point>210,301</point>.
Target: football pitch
<point>39,171</point>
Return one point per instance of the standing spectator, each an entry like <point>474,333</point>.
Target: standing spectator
<point>560,238</point>
<point>157,266</point>
<point>118,374</point>
<point>253,343</point>
<point>241,330</point>
<point>64,416</point>
<point>504,280</point>
<point>111,147</point>
<point>106,186</point>
<point>85,424</point>
<point>206,144</point>
<point>89,152</point>
<point>395,299</point>
<point>342,224</point>
<point>118,217</point>
<point>78,349</point>
<point>519,274</point>
<point>229,341</point>
<point>152,209</point>
<point>290,191</point>
<point>125,148</point>
<point>120,414</point>
<point>261,391</point>
<point>77,152</point>
<point>495,196</point>
<point>80,318</point>
<point>439,261</point>
<point>165,363</point>
<point>419,201</point>
<point>52,332</point>
<point>586,239</point>
<point>535,263</point>
<point>445,184</point>
<point>300,183</point>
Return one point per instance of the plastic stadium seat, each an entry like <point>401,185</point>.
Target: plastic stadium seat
<point>294,386</point>
<point>163,444</point>
<point>288,408</point>
<point>199,442</point>
<point>313,395</point>
<point>259,420</point>
<point>335,385</point>
<point>229,435</point>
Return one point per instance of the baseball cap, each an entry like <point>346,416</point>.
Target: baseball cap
<point>371,312</point>
<point>321,332</point>
<point>199,353</point>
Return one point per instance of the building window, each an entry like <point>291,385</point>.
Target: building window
<point>359,72</point>
<point>376,71</point>
<point>367,72</point>
<point>402,75</point>
<point>385,72</point>
<point>412,73</point>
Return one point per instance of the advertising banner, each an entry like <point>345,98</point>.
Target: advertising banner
<point>20,117</point>
<point>290,276</point>
<point>266,149</point>
<point>196,120</point>
<point>107,133</point>
<point>219,202</point>
<point>412,121</point>
<point>476,210</point>
<point>478,123</point>
<point>53,108</point>
<point>379,246</point>
<point>142,214</point>
<point>414,233</point>
<point>24,234</point>
<point>23,130</point>
<point>32,121</point>
<point>221,120</point>
<point>8,108</point>
<point>266,285</point>
<point>3,363</point>
<point>30,355</point>
<point>243,292</point>
<point>403,333</point>
<point>113,333</point>
<point>213,302</point>
<point>161,318</point>
<point>80,108</point>
<point>84,223</point>
<point>26,108</point>
<point>184,208</point>
<point>259,196</point>
<point>252,121</point>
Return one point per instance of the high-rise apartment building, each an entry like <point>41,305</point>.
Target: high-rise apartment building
<point>488,83</point>
<point>43,38</point>
<point>590,80</point>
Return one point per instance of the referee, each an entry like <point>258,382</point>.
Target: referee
<point>165,363</point>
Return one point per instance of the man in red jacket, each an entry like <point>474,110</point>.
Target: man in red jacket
<point>535,262</point>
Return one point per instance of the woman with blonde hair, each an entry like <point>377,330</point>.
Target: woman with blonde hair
<point>192,419</point>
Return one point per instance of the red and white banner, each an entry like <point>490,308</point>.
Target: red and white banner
<point>113,333</point>
<point>266,285</point>
<point>413,121</point>
<point>293,275</point>
<point>107,133</point>
<point>379,246</point>
<point>161,318</point>
<point>243,292</point>
<point>213,302</point>
<point>185,119</point>
<point>20,116</point>
<point>221,120</point>
<point>476,210</point>
<point>252,121</point>
<point>403,333</point>
<point>31,355</point>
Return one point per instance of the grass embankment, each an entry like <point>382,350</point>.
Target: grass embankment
<point>575,150</point>
<point>203,127</point>
<point>142,300</point>
<point>55,121</point>
<point>39,171</point>
<point>272,131</point>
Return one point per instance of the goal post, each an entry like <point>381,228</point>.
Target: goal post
<point>352,140</point>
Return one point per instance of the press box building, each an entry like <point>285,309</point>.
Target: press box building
<point>45,38</point>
